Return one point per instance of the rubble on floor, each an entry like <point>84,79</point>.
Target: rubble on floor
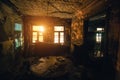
<point>52,66</point>
<point>45,68</point>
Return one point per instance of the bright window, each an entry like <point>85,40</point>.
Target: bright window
<point>37,35</point>
<point>18,35</point>
<point>61,37</point>
<point>100,29</point>
<point>18,27</point>
<point>58,28</point>
<point>59,34</point>
<point>40,36</point>
<point>56,37</point>
<point>98,37</point>
<point>99,34</point>
<point>34,37</point>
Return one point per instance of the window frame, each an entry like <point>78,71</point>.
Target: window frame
<point>59,35</point>
<point>38,34</point>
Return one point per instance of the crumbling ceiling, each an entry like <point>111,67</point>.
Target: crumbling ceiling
<point>56,8</point>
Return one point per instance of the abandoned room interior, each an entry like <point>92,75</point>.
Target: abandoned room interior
<point>59,40</point>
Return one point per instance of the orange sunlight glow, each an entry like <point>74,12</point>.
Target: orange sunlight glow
<point>37,33</point>
<point>41,28</point>
<point>38,28</point>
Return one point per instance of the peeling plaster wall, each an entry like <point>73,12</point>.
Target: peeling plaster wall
<point>7,21</point>
<point>77,29</point>
<point>8,18</point>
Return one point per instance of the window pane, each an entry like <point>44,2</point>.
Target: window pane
<point>58,28</point>
<point>34,40</point>
<point>41,28</point>
<point>56,34</point>
<point>55,40</point>
<point>41,38</point>
<point>61,37</point>
<point>34,33</point>
<point>34,37</point>
<point>59,34</point>
<point>40,33</point>
<point>18,27</point>
<point>62,40</point>
<point>100,29</point>
<point>98,37</point>
<point>56,37</point>
<point>35,28</point>
<point>38,28</point>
